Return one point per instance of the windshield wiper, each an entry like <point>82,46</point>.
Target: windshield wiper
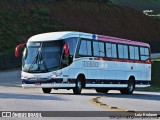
<point>38,60</point>
<point>34,61</point>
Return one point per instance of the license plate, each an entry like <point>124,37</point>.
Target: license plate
<point>37,83</point>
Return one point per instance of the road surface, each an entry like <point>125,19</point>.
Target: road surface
<point>15,98</point>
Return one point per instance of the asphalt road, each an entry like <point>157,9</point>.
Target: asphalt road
<point>15,98</point>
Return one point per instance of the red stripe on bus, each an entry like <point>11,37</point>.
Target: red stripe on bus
<point>123,60</point>
<point>123,41</point>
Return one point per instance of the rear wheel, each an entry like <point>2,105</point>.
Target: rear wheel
<point>46,90</point>
<point>78,88</point>
<point>102,90</point>
<point>130,87</point>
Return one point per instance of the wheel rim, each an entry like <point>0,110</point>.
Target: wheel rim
<point>130,86</point>
<point>79,85</point>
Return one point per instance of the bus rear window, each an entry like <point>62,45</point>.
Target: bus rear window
<point>144,53</point>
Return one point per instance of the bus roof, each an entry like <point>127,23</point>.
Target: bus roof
<point>67,34</point>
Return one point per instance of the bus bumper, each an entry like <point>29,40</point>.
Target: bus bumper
<point>142,86</point>
<point>49,85</point>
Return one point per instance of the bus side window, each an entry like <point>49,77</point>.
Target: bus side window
<point>123,51</point>
<point>144,53</point>
<point>134,53</point>
<point>111,50</point>
<point>131,50</point>
<point>65,56</point>
<point>85,48</point>
<point>98,49</point>
<point>68,59</point>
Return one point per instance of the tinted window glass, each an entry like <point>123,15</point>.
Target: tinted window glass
<point>108,50</point>
<point>123,51</point>
<point>144,53</point>
<point>85,48</point>
<point>39,57</point>
<point>89,49</point>
<point>72,45</point>
<point>131,50</point>
<point>101,49</point>
<point>134,53</point>
<point>95,49</point>
<point>98,49</point>
<point>111,50</point>
<point>114,51</point>
<point>120,51</point>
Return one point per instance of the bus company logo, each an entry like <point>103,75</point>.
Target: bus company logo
<point>6,114</point>
<point>90,64</point>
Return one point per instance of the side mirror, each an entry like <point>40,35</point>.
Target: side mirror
<point>65,58</point>
<point>66,49</point>
<point>18,48</point>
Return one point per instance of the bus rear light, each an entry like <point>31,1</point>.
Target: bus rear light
<point>148,61</point>
<point>18,48</point>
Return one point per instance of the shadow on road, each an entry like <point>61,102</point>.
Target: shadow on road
<point>141,95</point>
<point>146,96</point>
<point>10,85</point>
<point>30,97</point>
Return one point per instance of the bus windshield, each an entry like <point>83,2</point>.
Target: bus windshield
<point>42,56</point>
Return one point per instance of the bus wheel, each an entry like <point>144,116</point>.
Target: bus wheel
<point>101,90</point>
<point>46,90</point>
<point>130,88</point>
<point>78,88</point>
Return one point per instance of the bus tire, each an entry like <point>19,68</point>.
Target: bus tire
<point>130,88</point>
<point>46,90</point>
<point>102,90</point>
<point>78,88</point>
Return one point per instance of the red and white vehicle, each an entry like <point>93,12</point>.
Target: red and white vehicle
<point>76,60</point>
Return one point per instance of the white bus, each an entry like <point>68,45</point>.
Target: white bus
<point>76,60</point>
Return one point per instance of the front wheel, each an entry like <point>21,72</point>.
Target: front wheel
<point>78,88</point>
<point>46,90</point>
<point>130,88</point>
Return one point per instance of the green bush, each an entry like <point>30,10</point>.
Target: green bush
<point>155,73</point>
<point>17,25</point>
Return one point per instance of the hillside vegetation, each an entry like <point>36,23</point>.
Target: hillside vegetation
<point>20,19</point>
<point>141,5</point>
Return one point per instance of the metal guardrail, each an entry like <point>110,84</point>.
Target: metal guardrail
<point>155,55</point>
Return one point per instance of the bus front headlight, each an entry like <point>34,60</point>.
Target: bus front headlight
<point>56,73</point>
<point>24,77</point>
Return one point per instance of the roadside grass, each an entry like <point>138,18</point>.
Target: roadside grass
<point>156,0</point>
<point>158,59</point>
<point>140,4</point>
<point>152,88</point>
